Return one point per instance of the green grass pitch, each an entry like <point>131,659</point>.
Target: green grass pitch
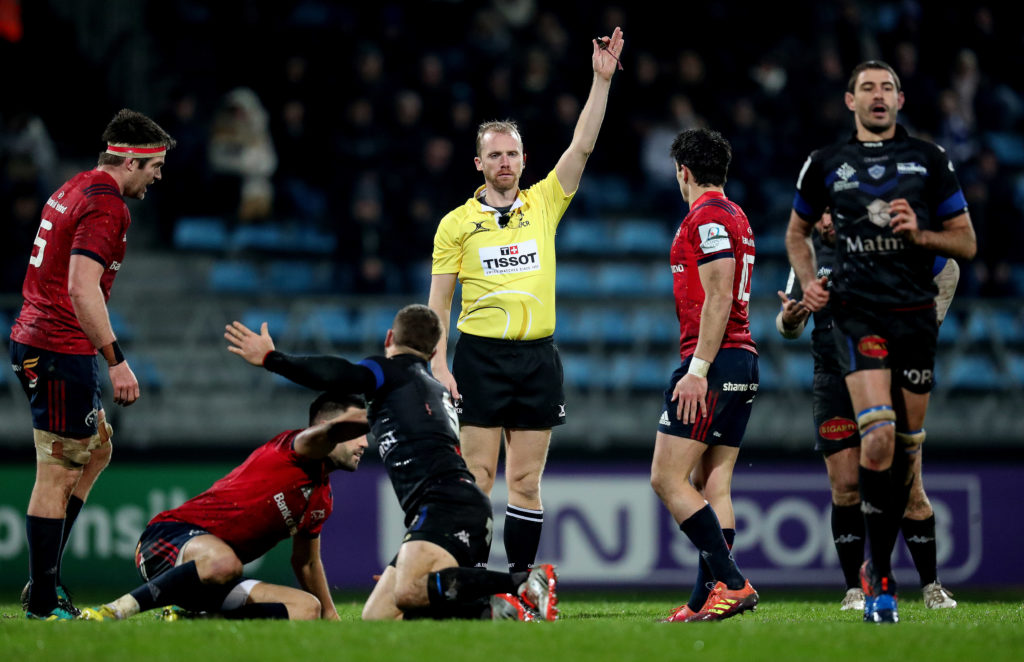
<point>621,626</point>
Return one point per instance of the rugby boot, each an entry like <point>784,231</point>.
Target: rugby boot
<point>937,596</point>
<point>539,591</point>
<point>57,614</point>
<point>101,613</point>
<point>508,607</point>
<point>681,615</point>
<point>725,603</point>
<point>880,600</point>
<point>63,599</point>
<point>853,600</point>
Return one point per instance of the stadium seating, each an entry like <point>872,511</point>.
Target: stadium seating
<point>235,277</point>
<point>200,233</point>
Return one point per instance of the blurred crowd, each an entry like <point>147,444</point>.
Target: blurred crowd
<point>361,121</point>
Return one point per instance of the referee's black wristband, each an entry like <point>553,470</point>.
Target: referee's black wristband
<point>112,353</point>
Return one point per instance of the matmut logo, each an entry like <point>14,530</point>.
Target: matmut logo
<point>511,259</point>
<point>837,428</point>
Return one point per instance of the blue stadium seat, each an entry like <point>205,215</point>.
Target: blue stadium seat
<point>235,277</point>
<point>656,326</point>
<point>605,325</point>
<point>374,322</point>
<point>1015,367</point>
<point>296,276</point>
<point>124,331</point>
<point>799,370</point>
<point>769,375</point>
<point>569,330</point>
<point>642,373</point>
<point>575,280</point>
<point>659,279</point>
<point>974,372</point>
<point>1008,325</point>
<point>149,375</point>
<point>204,233</point>
<point>979,327</point>
<point>265,237</point>
<point>330,323</point>
<point>643,236</point>
<point>579,370</point>
<point>1008,147</point>
<point>585,236</point>
<point>622,279</point>
<point>276,319</point>
<point>951,330</point>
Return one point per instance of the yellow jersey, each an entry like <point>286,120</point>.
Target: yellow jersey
<point>507,273</point>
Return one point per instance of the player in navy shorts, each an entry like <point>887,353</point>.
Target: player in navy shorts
<point>708,400</point>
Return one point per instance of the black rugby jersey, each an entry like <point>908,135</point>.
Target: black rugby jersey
<point>858,180</point>
<point>412,420</point>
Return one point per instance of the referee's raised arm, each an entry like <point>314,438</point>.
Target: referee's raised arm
<point>569,169</point>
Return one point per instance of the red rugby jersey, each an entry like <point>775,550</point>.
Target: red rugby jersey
<point>715,228</point>
<point>275,494</point>
<point>86,216</point>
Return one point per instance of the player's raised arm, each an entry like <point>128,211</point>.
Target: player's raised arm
<point>605,59</point>
<point>801,256</point>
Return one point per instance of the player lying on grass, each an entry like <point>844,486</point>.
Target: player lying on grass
<point>416,429</point>
<point>192,556</point>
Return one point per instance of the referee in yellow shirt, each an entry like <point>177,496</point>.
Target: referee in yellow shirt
<point>500,245</point>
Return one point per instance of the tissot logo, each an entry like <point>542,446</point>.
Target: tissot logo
<point>510,259</point>
<point>837,428</point>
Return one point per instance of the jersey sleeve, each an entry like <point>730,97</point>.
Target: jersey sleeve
<point>552,196</point>
<point>322,373</point>
<point>99,231</point>
<point>447,257</point>
<point>946,199</point>
<point>709,239</point>
<point>811,195</point>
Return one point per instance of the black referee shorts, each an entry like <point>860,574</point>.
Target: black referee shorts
<point>509,383</point>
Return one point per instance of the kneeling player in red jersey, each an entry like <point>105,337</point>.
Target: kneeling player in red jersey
<point>192,556</point>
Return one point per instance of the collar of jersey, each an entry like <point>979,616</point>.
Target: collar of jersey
<point>901,134</point>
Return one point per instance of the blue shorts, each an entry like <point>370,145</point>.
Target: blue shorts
<point>732,386</point>
<point>160,545</point>
<point>63,390</point>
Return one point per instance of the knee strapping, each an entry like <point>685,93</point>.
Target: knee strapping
<point>51,448</point>
<point>912,441</point>
<point>104,433</point>
<point>873,418</point>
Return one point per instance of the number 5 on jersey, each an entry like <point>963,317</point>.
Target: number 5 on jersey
<point>37,259</point>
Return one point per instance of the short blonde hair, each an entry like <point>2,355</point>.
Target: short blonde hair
<point>508,127</point>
